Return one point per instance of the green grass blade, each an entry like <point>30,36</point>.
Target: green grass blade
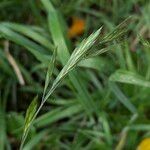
<point>129,60</point>
<point>106,128</point>
<point>50,71</point>
<point>30,113</point>
<point>38,51</point>
<point>122,98</point>
<point>129,77</point>
<point>97,63</point>
<point>63,54</point>
<point>58,114</point>
<point>2,128</point>
<point>74,59</point>
<point>140,127</point>
<point>29,32</point>
<point>35,140</point>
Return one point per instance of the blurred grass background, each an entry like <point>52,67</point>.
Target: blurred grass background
<point>92,110</point>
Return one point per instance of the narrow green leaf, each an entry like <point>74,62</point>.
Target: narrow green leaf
<point>2,129</point>
<point>57,33</point>
<point>140,127</point>
<point>129,60</point>
<point>29,32</point>
<point>129,77</point>
<point>35,140</point>
<point>98,63</point>
<point>106,128</point>
<point>122,98</point>
<point>50,70</point>
<point>38,51</point>
<point>30,113</point>
<point>74,59</point>
<point>57,114</point>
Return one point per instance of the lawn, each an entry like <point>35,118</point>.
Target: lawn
<point>75,75</point>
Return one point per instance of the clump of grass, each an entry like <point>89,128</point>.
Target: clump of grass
<point>78,54</point>
<point>75,58</point>
<point>101,104</point>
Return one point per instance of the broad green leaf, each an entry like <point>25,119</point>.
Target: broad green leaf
<point>129,77</point>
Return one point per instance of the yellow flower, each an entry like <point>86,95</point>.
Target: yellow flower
<point>144,145</point>
<point>77,27</point>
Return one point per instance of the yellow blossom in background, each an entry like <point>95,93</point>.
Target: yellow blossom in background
<point>144,145</point>
<point>77,27</point>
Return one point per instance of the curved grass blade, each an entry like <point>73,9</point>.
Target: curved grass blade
<point>129,77</point>
<point>38,51</point>
<point>29,32</point>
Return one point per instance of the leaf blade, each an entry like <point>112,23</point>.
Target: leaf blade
<point>129,77</point>
<point>30,113</point>
<point>50,70</point>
